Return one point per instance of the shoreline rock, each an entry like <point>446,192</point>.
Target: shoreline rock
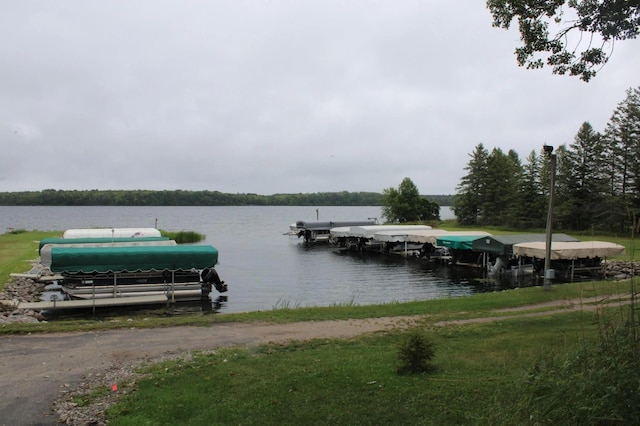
<point>21,289</point>
<point>621,269</point>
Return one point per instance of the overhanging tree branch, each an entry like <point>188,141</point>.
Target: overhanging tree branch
<point>607,20</point>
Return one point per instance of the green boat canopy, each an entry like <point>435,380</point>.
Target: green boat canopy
<point>132,258</point>
<point>45,241</point>
<point>457,242</point>
<point>503,244</point>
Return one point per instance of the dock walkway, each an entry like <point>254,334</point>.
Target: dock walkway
<point>90,303</point>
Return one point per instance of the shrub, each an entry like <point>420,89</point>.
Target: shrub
<point>415,353</point>
<point>597,384</point>
<point>184,237</point>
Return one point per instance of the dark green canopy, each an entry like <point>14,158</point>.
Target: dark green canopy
<point>135,258</point>
<point>503,244</point>
<point>457,242</point>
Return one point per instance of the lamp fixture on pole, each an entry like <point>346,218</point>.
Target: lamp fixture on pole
<point>548,272</point>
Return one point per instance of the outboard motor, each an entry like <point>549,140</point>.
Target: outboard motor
<point>496,269</point>
<point>210,276</point>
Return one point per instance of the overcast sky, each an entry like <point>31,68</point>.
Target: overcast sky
<point>276,96</point>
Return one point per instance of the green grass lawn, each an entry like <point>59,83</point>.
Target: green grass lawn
<point>17,252</point>
<point>480,372</point>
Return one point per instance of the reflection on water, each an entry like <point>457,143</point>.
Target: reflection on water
<point>213,304</point>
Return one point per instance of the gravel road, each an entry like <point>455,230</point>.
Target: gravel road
<point>37,369</point>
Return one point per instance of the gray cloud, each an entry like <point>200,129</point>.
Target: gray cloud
<point>274,96</point>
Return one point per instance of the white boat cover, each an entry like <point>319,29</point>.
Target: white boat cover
<point>340,231</point>
<point>45,252</point>
<point>423,236</point>
<point>568,250</point>
<point>369,230</point>
<point>111,233</point>
<point>403,236</point>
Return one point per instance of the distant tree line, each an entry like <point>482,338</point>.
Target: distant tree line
<point>597,180</point>
<point>53,197</point>
<point>183,198</point>
<point>441,200</point>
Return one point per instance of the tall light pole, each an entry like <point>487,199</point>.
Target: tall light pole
<point>548,272</point>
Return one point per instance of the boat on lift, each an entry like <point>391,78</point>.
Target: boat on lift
<point>313,232</point>
<point>179,272</point>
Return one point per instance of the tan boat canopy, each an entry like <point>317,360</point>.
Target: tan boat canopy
<point>568,250</point>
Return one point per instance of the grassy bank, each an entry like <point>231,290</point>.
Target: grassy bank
<point>482,376</point>
<point>18,250</point>
<point>476,306</point>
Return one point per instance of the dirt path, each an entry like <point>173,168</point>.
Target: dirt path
<point>38,369</point>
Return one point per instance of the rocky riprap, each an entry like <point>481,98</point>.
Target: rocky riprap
<point>21,289</point>
<point>620,269</point>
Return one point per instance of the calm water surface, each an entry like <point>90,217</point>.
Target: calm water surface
<point>265,268</point>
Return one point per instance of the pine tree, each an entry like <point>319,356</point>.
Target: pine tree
<point>471,191</point>
<point>530,209</point>
<point>502,178</point>
<point>622,137</point>
<point>587,186</point>
<point>564,200</point>
<point>513,185</point>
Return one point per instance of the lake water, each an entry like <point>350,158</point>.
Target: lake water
<point>265,268</point>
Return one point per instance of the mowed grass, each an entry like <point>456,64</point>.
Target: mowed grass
<point>17,252</point>
<point>481,370</point>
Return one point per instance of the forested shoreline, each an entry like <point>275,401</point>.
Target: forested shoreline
<point>597,180</point>
<point>53,197</point>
